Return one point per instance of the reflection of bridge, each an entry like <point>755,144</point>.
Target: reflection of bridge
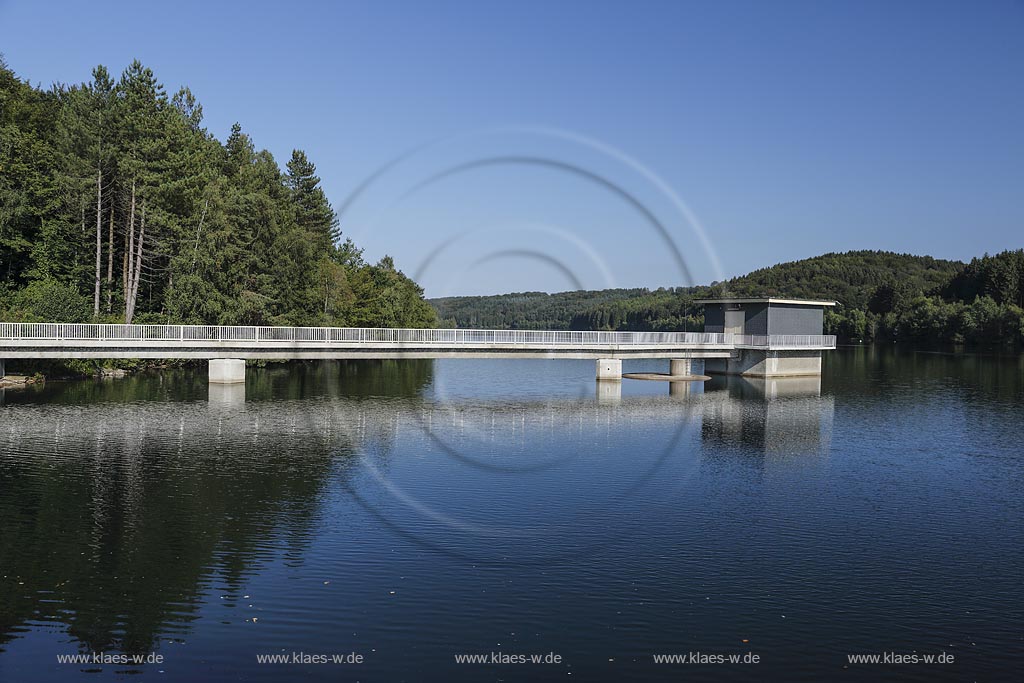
<point>770,415</point>
<point>266,460</point>
<point>228,347</point>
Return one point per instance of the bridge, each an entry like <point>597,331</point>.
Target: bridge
<point>227,347</point>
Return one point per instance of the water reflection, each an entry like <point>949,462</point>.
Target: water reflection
<point>226,397</point>
<point>122,503</point>
<point>609,392</point>
<point>126,508</point>
<point>138,514</point>
<point>114,520</point>
<point>680,389</point>
<point>781,415</point>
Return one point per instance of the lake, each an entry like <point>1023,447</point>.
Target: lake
<point>392,517</point>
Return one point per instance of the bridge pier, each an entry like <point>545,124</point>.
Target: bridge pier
<point>227,371</point>
<point>609,369</point>
<point>679,367</point>
<point>758,363</point>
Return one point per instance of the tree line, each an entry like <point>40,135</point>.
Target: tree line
<point>982,303</point>
<point>884,296</point>
<point>524,310</point>
<point>117,205</point>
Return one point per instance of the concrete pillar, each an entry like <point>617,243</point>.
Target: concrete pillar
<point>609,369</point>
<point>1,368</point>
<point>680,367</point>
<point>227,371</point>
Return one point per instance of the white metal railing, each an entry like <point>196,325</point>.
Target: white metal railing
<point>376,335</point>
<point>350,335</point>
<point>774,341</point>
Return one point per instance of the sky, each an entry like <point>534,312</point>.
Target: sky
<point>543,146</point>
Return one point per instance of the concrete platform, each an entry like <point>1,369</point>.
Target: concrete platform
<point>771,363</point>
<point>665,377</point>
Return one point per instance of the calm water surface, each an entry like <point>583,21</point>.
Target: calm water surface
<point>414,511</point>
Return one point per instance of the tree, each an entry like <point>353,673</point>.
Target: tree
<point>101,91</point>
<point>205,232</point>
<point>53,302</point>
<point>26,181</point>
<point>143,110</point>
<point>886,298</point>
<point>313,212</point>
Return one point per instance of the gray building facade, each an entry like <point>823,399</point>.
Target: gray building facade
<point>764,316</point>
<point>776,319</point>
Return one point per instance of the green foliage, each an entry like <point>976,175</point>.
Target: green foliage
<point>850,278</point>
<point>531,310</point>
<point>49,301</point>
<point>882,296</point>
<point>313,212</point>
<point>114,193</point>
<point>1000,277</point>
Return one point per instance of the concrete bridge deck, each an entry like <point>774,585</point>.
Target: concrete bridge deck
<point>211,342</point>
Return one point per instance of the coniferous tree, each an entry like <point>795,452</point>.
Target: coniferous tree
<point>313,212</point>
<point>203,232</point>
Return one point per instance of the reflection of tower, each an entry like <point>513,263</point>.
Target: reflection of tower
<point>774,415</point>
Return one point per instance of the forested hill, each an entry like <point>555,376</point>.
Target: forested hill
<point>527,310</point>
<point>883,295</point>
<point>117,205</point>
<point>849,278</point>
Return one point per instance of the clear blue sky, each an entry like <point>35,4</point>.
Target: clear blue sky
<point>789,128</point>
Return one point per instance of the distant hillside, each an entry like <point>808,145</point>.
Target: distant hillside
<point>849,278</point>
<point>883,295</point>
<point>525,310</point>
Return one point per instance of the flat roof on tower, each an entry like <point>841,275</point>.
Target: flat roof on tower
<point>766,300</point>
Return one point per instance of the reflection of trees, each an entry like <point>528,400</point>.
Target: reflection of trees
<point>120,507</point>
<point>124,549</point>
<point>169,384</point>
<point>881,370</point>
<point>276,381</point>
<point>360,378</point>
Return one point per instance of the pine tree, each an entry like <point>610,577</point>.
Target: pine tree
<point>143,120</point>
<point>313,212</point>
<point>204,232</point>
<point>101,92</point>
